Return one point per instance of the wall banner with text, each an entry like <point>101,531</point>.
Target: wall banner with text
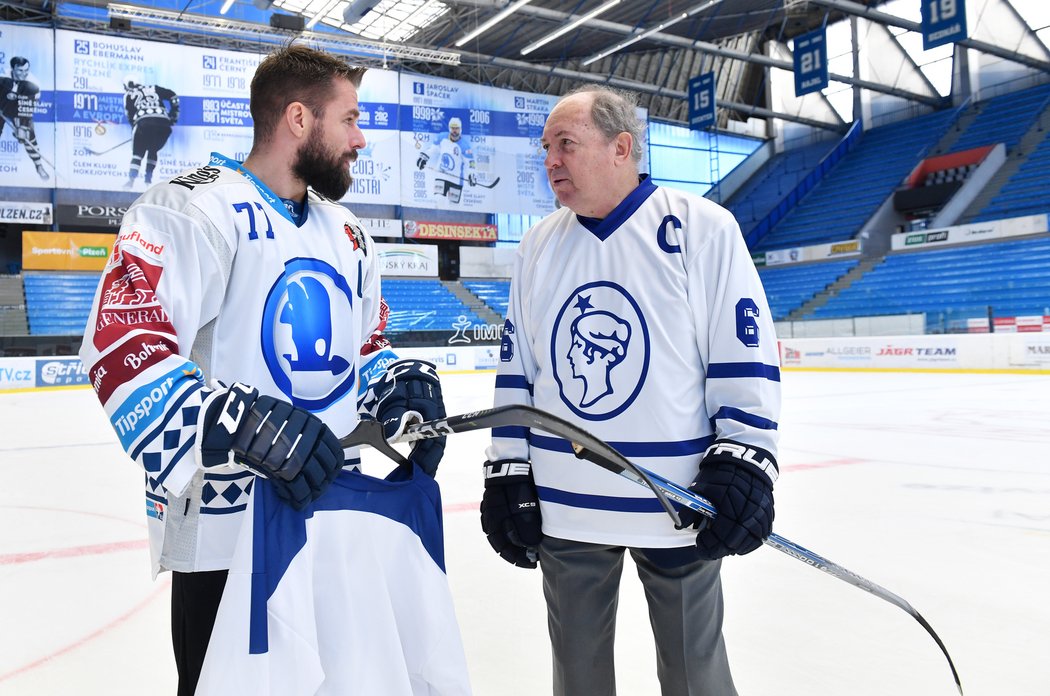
<point>27,106</point>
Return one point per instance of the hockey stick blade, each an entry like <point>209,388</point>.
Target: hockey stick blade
<point>527,416</point>
<point>691,500</point>
<point>489,185</point>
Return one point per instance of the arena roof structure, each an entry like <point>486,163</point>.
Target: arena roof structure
<point>652,47</point>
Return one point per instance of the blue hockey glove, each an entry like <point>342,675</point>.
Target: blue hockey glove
<point>407,392</point>
<point>422,161</point>
<point>510,511</point>
<point>738,480</point>
<point>288,445</point>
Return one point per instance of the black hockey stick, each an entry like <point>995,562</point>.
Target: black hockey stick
<point>588,447</point>
<point>492,184</point>
<point>489,185</point>
<point>107,150</point>
<point>370,432</point>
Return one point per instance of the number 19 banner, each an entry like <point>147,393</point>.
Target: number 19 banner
<point>943,21</point>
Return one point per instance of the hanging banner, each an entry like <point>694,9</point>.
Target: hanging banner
<point>131,113</point>
<point>473,148</point>
<point>811,62</point>
<point>702,101</point>
<point>943,22</point>
<point>27,107</point>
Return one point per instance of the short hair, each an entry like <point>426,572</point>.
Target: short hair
<point>295,73</point>
<point>613,113</point>
<point>18,62</point>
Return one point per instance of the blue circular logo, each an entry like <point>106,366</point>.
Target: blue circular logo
<point>599,350</point>
<point>308,345</point>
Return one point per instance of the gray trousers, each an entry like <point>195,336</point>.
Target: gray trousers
<point>581,584</point>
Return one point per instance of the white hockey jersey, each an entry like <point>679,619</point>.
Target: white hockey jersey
<point>210,278</point>
<point>348,597</point>
<point>451,161</point>
<point>649,329</point>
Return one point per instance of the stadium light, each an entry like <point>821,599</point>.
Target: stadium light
<point>569,27</point>
<point>502,15</point>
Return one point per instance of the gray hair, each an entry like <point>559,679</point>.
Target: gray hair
<point>613,113</point>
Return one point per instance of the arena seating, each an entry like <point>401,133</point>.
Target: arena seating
<point>494,293</point>
<point>775,179</point>
<point>1025,193</point>
<point>424,305</point>
<point>951,285</point>
<point>851,192</point>
<point>57,304</point>
<point>789,287</point>
<point>1003,119</point>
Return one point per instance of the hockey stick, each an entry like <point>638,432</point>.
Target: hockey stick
<point>107,150</point>
<point>489,185</point>
<point>370,432</point>
<point>466,180</point>
<point>592,449</point>
<point>26,143</point>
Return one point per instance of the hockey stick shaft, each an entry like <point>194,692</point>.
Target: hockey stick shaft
<point>27,143</point>
<point>108,149</point>
<point>592,449</point>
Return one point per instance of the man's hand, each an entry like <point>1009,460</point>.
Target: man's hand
<point>290,446</point>
<point>410,391</point>
<point>510,512</point>
<point>737,479</point>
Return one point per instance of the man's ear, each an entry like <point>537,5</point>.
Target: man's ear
<point>298,118</point>
<point>624,145</point>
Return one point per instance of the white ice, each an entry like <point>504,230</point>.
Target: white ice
<point>935,486</point>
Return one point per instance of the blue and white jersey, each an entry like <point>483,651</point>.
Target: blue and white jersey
<point>348,596</point>
<point>650,330</point>
<point>211,279</point>
<point>451,161</point>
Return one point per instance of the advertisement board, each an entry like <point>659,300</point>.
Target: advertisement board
<point>65,251</point>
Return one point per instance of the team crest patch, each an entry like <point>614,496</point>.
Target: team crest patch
<point>600,350</point>
<point>356,235</point>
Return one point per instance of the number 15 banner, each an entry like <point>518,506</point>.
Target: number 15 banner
<point>702,101</point>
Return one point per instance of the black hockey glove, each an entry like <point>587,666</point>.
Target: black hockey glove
<point>734,478</point>
<point>288,445</point>
<point>422,161</point>
<point>410,391</point>
<point>510,511</point>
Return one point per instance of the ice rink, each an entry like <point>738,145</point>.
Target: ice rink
<point>935,486</point>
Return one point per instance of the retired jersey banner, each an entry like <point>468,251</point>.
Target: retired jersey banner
<point>472,148</point>
<point>811,62</point>
<point>450,230</point>
<point>65,251</point>
<point>27,107</point>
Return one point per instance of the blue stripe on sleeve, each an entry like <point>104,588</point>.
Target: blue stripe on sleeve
<point>599,502</point>
<point>744,417</point>
<point>513,382</point>
<point>512,431</point>
<point>743,369</point>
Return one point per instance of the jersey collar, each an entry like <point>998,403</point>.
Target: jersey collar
<point>269,196</point>
<point>602,228</point>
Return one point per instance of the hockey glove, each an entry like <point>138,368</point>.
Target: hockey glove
<point>422,161</point>
<point>472,179</point>
<point>288,445</point>
<point>407,392</point>
<point>510,511</point>
<point>738,481</point>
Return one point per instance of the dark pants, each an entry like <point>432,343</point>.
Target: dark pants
<point>581,584</point>
<point>194,603</point>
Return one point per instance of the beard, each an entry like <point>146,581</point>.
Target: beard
<point>321,170</point>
